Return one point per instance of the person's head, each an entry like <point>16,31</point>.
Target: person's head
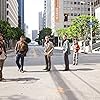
<point>22,38</point>
<point>65,37</point>
<point>46,38</point>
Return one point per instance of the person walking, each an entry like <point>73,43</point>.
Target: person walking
<point>48,52</point>
<point>21,49</point>
<point>2,55</point>
<point>66,52</point>
<point>76,48</point>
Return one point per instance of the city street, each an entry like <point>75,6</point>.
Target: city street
<point>82,82</point>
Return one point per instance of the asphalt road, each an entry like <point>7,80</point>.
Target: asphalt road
<point>35,56</point>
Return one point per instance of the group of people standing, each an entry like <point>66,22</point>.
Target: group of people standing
<point>48,52</point>
<point>21,49</point>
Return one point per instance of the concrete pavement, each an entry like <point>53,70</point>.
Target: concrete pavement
<point>82,82</point>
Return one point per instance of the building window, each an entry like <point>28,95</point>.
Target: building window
<point>74,2</point>
<point>68,25</point>
<point>78,3</point>
<point>71,2</point>
<point>78,14</point>
<point>7,5</point>
<point>88,9</point>
<point>64,26</point>
<point>75,14</point>
<point>7,12</point>
<point>7,19</point>
<point>78,8</point>
<point>65,17</point>
<point>71,14</point>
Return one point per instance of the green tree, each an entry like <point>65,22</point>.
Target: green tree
<point>80,27</point>
<point>43,33</point>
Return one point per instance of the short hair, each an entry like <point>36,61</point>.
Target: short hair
<point>22,36</point>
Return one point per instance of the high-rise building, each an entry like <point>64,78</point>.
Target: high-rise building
<point>9,11</point>
<point>21,14</point>
<point>3,9</point>
<point>97,9</point>
<point>26,30</point>
<point>44,14</point>
<point>40,21</point>
<point>34,34</point>
<point>12,12</point>
<point>47,13</point>
<point>63,11</point>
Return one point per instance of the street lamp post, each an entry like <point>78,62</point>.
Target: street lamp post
<point>91,25</point>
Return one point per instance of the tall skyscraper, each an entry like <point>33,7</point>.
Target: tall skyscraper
<point>9,11</point>
<point>44,14</point>
<point>34,34</point>
<point>3,9</point>
<point>40,21</point>
<point>47,13</point>
<point>12,12</point>
<point>21,14</point>
<point>63,11</point>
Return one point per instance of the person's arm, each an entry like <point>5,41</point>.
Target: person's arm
<point>16,48</point>
<point>4,47</point>
<point>52,47</point>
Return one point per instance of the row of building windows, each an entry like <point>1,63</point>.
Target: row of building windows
<point>96,2</point>
<point>77,3</point>
<point>77,9</point>
<point>72,14</point>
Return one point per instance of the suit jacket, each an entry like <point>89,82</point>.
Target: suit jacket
<point>66,47</point>
<point>48,48</point>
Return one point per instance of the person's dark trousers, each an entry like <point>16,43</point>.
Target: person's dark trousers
<point>1,68</point>
<point>19,57</point>
<point>66,59</point>
<point>48,62</point>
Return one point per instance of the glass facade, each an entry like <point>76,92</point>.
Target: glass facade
<point>21,14</point>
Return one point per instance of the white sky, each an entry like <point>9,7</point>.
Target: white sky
<point>32,7</point>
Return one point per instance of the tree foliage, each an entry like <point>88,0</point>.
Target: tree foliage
<point>44,32</point>
<point>10,32</point>
<point>80,27</point>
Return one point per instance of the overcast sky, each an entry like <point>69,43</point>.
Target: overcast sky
<point>32,7</point>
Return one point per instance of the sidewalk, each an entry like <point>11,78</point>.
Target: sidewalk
<point>82,82</point>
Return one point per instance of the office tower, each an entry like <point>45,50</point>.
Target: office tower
<point>40,21</point>
<point>21,14</point>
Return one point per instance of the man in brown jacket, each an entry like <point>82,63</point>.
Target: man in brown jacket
<point>48,52</point>
<point>21,49</point>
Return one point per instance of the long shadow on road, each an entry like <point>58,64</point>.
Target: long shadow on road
<point>66,93</point>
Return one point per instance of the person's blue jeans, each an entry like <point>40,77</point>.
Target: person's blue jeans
<point>19,57</point>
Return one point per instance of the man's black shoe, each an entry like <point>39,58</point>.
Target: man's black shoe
<point>48,70</point>
<point>45,69</point>
<point>66,70</point>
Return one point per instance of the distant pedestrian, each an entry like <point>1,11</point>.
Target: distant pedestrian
<point>48,52</point>
<point>66,51</point>
<point>2,55</point>
<point>21,49</point>
<point>76,48</point>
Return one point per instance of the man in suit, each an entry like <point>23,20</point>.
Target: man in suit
<point>48,52</point>
<point>66,51</point>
